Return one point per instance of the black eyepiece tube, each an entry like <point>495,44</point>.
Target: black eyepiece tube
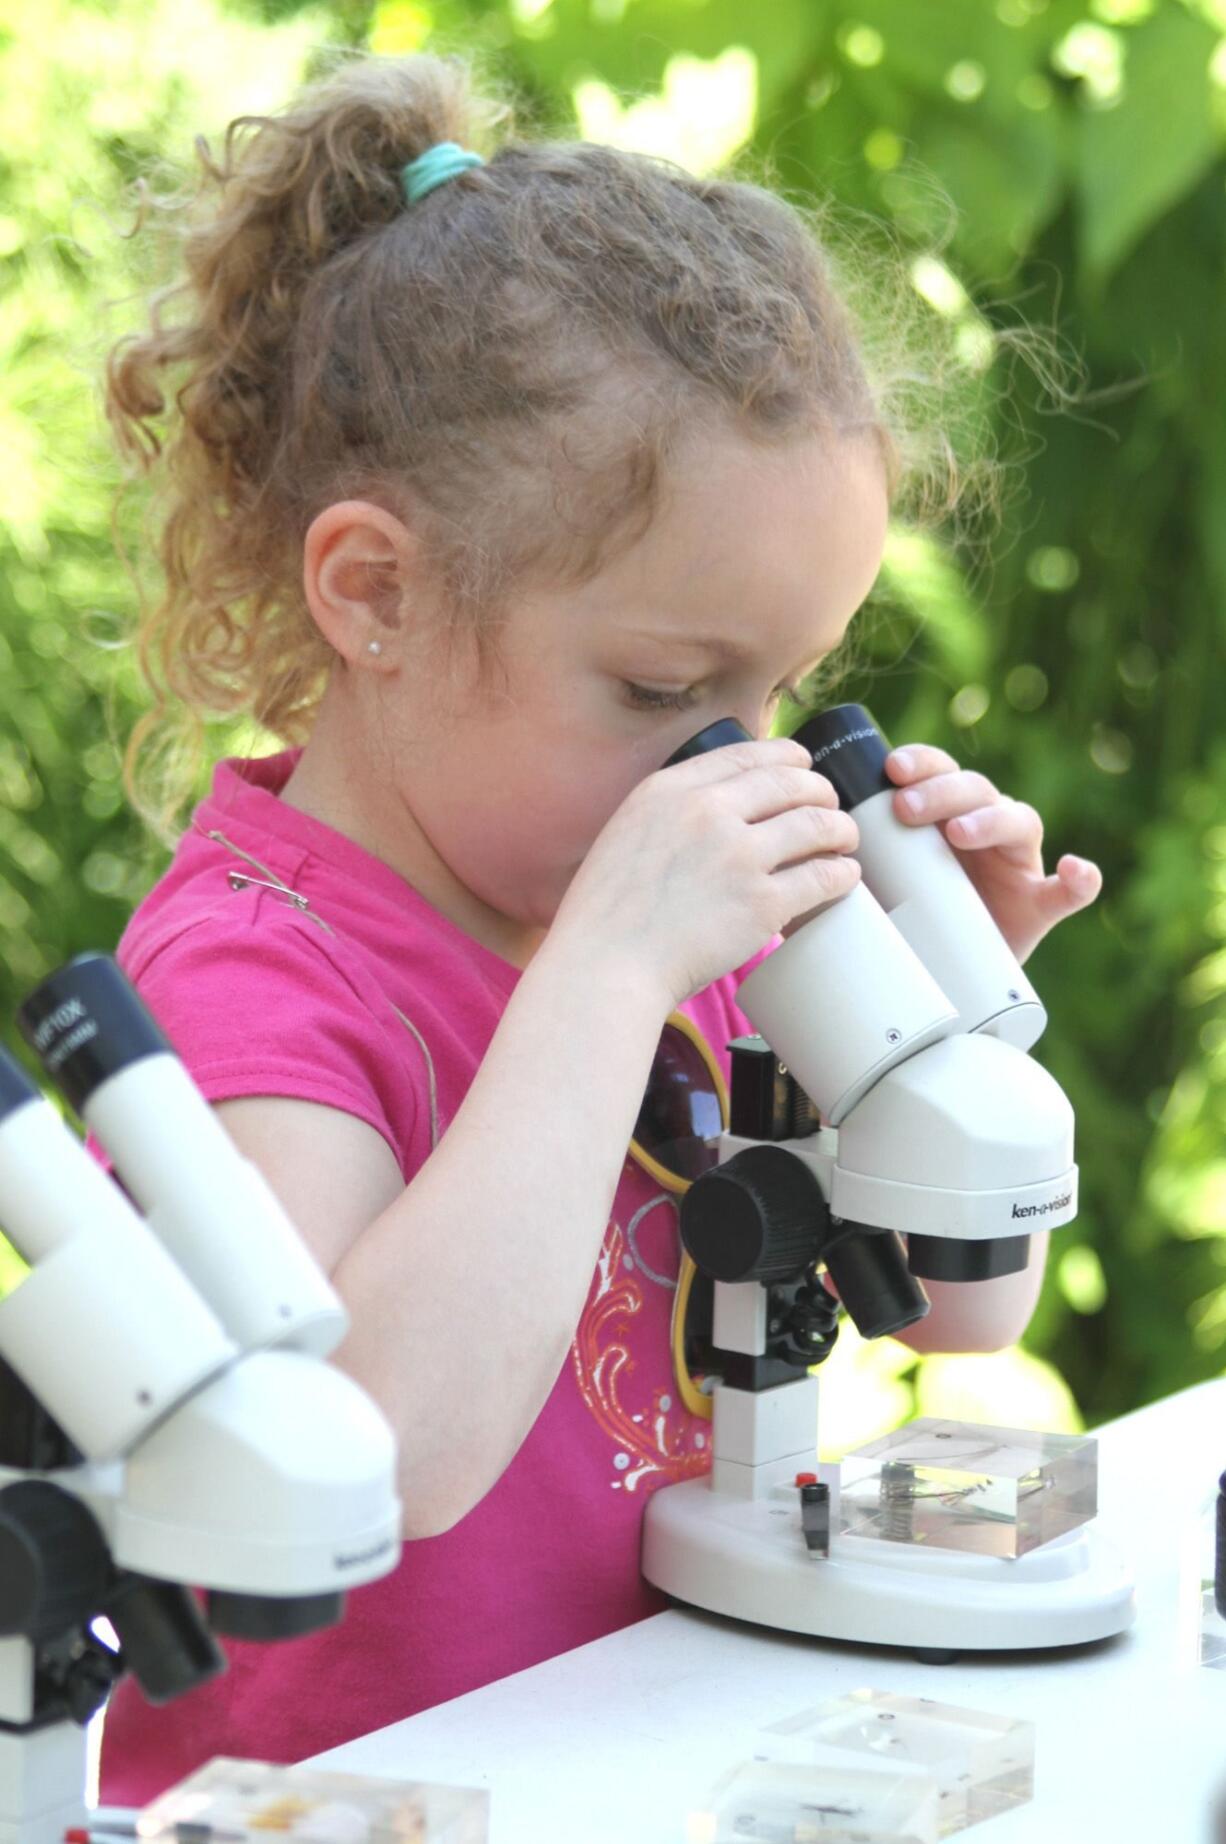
<point>166,1644</point>
<point>85,1023</point>
<point>849,749</point>
<point>869,1268</point>
<point>723,731</point>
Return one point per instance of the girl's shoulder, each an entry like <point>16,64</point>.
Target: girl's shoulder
<point>258,891</point>
<point>276,971</point>
<point>258,1000</point>
<point>259,995</point>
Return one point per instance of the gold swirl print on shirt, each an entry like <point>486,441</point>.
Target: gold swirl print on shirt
<point>661,1442</point>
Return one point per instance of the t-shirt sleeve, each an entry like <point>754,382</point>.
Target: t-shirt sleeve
<point>258,1001</point>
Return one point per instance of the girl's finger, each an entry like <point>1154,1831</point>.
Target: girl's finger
<point>740,759</point>
<point>757,793</point>
<point>941,797</point>
<point>817,880</point>
<point>916,762</point>
<point>1008,826</point>
<point>1073,885</point>
<point>1080,878</point>
<point>790,838</point>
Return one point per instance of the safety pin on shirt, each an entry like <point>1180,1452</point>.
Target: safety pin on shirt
<point>239,880</point>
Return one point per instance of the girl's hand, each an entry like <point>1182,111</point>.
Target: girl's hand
<point>704,861</point>
<point>998,842</point>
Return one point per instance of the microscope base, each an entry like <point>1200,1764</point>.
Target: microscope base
<point>746,1558</point>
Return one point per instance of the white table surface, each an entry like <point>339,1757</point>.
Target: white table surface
<point>613,1743</point>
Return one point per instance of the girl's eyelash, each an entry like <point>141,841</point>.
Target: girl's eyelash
<point>648,700</point>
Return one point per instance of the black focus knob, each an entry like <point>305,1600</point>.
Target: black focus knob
<point>54,1562</point>
<point>760,1217</point>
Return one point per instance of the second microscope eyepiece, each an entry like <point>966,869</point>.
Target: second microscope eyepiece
<point>85,1023</point>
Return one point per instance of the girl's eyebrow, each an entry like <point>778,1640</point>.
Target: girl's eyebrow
<point>726,650</point>
<point>723,649</point>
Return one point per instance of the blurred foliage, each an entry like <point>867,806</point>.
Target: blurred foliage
<point>1058,163</point>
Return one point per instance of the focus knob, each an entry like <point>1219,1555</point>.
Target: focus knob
<point>54,1562</point>
<point>760,1217</point>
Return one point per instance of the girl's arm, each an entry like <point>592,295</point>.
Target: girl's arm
<point>464,1289</point>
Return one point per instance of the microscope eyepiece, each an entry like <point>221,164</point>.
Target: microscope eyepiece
<point>213,1210</point>
<point>849,749</point>
<point>724,730</point>
<point>85,1023</point>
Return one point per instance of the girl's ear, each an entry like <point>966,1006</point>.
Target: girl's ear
<point>359,566</point>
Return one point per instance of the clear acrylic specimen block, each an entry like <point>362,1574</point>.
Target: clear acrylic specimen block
<point>779,1802</point>
<point>1199,1570</point>
<point>982,1763</point>
<point>1212,1631</point>
<point>245,1801</point>
<point>965,1486</point>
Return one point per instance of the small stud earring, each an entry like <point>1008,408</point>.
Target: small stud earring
<point>374,646</point>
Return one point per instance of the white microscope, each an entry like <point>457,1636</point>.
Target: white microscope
<point>165,1414</point>
<point>889,1094</point>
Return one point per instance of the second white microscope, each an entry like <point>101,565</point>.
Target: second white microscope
<point>167,1421</point>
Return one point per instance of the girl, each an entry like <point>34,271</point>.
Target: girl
<point>495,481</point>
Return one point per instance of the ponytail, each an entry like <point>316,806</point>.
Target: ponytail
<point>200,400</point>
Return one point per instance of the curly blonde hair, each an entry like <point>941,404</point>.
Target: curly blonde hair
<point>514,357</point>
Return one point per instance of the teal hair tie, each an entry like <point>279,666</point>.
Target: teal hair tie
<point>433,168</point>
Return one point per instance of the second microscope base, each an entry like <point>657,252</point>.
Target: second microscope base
<point>747,1558</point>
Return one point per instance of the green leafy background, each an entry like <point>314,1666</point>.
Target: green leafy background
<point>1058,162</point>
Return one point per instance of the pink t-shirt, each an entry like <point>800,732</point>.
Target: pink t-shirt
<point>259,1000</point>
